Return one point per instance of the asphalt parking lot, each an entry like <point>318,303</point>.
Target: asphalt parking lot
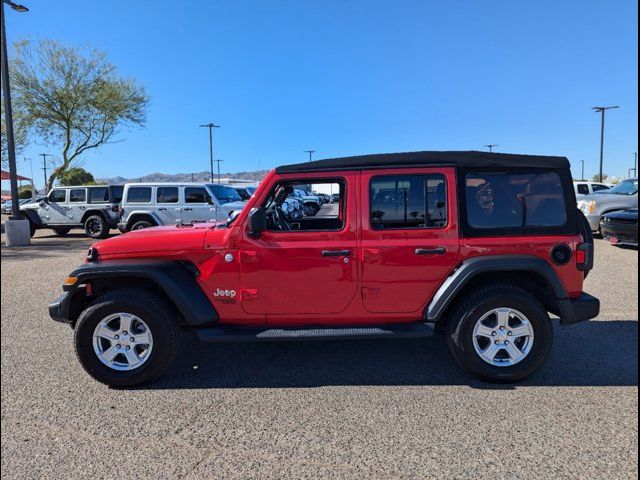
<point>350,409</point>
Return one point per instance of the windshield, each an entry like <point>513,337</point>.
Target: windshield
<point>224,194</point>
<point>628,187</point>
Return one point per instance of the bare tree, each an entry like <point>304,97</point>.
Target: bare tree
<point>72,98</point>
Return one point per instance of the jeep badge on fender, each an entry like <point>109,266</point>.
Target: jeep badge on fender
<point>481,246</point>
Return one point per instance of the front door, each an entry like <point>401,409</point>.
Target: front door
<point>198,205</point>
<point>54,211</point>
<point>302,266</point>
<point>409,237</point>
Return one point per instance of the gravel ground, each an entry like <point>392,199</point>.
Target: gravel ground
<point>351,409</point>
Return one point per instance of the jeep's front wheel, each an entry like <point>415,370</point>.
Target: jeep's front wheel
<point>500,333</point>
<point>96,227</point>
<point>126,337</point>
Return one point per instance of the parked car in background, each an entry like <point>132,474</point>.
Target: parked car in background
<point>310,203</point>
<point>92,207</point>
<point>621,197</point>
<point>245,192</point>
<point>584,188</point>
<point>621,227</point>
<point>152,204</point>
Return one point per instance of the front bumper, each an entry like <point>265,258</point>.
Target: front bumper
<point>594,221</point>
<point>59,309</point>
<point>575,310</point>
<point>625,234</point>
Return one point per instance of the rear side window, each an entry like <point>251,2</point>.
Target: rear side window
<point>167,195</point>
<point>583,189</point>
<point>515,200</point>
<point>597,188</point>
<point>139,195</point>
<point>196,195</point>
<point>77,195</point>
<point>116,193</point>
<point>58,196</point>
<point>408,201</point>
<point>99,195</point>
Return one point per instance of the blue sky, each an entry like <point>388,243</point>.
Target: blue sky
<point>353,77</point>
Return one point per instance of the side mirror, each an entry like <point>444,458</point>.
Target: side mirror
<point>257,221</point>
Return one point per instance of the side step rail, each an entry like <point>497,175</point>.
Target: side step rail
<point>245,334</point>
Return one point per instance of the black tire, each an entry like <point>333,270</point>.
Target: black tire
<point>62,231</point>
<point>585,231</point>
<point>95,226</point>
<point>139,225</point>
<point>478,302</point>
<point>156,314</point>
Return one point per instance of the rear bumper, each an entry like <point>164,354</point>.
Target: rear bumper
<point>122,226</point>
<point>575,310</point>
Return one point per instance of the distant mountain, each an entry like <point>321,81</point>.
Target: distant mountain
<point>255,176</point>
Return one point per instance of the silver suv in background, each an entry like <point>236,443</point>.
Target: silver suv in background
<point>92,207</point>
<point>152,204</point>
<point>621,197</point>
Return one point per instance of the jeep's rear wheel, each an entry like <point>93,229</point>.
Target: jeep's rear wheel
<point>500,333</point>
<point>126,337</point>
<point>141,224</point>
<point>95,226</point>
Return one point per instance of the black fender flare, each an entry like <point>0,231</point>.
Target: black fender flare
<point>33,216</point>
<point>473,267</point>
<point>176,281</point>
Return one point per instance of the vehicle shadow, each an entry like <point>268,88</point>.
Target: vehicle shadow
<point>599,353</point>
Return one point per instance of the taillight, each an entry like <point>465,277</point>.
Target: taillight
<point>584,256</point>
<point>115,208</point>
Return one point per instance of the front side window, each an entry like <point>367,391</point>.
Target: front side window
<point>515,200</point>
<point>139,195</point>
<point>78,195</point>
<point>597,187</point>
<point>58,196</point>
<point>197,195</point>
<point>167,195</point>
<point>408,201</point>
<point>290,209</point>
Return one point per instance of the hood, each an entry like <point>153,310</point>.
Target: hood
<point>631,214</point>
<point>234,206</point>
<point>165,240</point>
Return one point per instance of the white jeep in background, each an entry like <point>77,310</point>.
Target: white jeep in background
<point>152,204</point>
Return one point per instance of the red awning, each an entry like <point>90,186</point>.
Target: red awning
<point>6,176</point>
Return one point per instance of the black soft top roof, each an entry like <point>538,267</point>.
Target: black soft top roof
<point>472,159</point>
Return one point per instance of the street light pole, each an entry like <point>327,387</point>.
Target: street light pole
<point>218,160</point>
<point>310,152</point>
<point>210,126</point>
<point>44,168</point>
<point>582,176</point>
<point>602,111</point>
<point>491,145</point>
<point>6,91</point>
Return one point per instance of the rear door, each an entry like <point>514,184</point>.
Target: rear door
<point>77,204</point>
<point>409,237</point>
<point>168,206</point>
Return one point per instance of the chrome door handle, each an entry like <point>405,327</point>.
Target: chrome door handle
<point>336,253</point>
<point>430,251</point>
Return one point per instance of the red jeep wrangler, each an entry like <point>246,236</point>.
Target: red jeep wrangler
<point>481,246</point>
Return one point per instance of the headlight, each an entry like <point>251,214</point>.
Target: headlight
<point>588,206</point>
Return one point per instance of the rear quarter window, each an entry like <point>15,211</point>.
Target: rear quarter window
<point>512,202</point>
